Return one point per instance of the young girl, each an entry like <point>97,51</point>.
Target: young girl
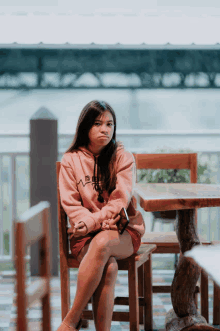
<point>96,181</point>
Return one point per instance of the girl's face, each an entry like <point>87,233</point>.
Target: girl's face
<point>102,131</point>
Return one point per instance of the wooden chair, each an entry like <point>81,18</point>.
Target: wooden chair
<point>168,242</point>
<point>139,278</point>
<point>30,227</point>
<point>216,297</point>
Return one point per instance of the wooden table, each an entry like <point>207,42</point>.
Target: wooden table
<point>184,198</point>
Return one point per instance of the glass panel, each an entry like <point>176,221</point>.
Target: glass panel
<point>22,184</point>
<point>15,144</point>
<point>214,224</point>
<point>1,206</point>
<point>6,204</point>
<point>203,223</point>
<point>64,143</point>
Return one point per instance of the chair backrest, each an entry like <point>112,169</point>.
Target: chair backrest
<point>65,257</point>
<point>169,161</point>
<point>31,227</point>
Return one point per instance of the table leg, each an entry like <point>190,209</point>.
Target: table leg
<point>184,313</point>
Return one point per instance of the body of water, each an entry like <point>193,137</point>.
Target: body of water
<point>168,110</point>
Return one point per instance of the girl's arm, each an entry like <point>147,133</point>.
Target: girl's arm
<point>71,200</point>
<point>121,196</point>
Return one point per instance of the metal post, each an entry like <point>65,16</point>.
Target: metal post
<point>43,157</point>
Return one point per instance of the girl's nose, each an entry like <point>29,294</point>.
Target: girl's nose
<point>104,128</point>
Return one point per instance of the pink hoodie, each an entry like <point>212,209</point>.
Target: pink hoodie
<point>78,194</point>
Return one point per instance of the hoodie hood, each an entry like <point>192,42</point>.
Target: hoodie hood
<point>87,152</point>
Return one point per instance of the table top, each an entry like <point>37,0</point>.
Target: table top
<point>208,258</point>
<point>169,196</point>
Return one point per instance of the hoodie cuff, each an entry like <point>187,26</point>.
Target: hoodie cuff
<point>90,223</point>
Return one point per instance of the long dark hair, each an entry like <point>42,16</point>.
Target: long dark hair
<point>106,159</point>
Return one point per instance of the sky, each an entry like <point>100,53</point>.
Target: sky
<point>86,7</point>
<point>116,21</point>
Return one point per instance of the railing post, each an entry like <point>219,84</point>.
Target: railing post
<point>43,157</point>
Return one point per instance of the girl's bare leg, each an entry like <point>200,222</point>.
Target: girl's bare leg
<point>103,297</point>
<point>103,245</point>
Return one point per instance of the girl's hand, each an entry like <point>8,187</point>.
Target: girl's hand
<point>80,229</point>
<point>105,225</point>
<point>110,224</point>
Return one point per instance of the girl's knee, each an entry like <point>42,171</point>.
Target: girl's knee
<point>100,246</point>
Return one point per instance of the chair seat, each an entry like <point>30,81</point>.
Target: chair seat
<point>140,257</point>
<point>166,242</point>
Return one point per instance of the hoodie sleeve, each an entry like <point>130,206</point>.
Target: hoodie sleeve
<point>70,197</point>
<point>121,196</point>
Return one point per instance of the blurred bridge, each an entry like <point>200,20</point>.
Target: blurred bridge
<point>94,66</point>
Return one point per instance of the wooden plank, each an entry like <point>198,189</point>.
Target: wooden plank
<point>216,305</point>
<point>20,278</point>
<point>33,222</point>
<point>165,238</point>
<point>204,295</point>
<point>37,290</point>
<point>163,161</point>
<point>141,292</point>
<point>161,197</point>
<point>124,301</point>
<point>133,295</point>
<point>45,264</point>
<point>167,289</point>
<point>71,262</point>
<point>117,316</point>
<point>148,307</point>
<point>145,254</point>
<point>193,168</point>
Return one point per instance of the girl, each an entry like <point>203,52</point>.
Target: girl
<point>96,181</point>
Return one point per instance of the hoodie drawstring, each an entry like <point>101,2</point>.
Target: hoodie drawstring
<point>96,180</point>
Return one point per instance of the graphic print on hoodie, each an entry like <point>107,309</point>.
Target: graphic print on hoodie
<point>78,179</point>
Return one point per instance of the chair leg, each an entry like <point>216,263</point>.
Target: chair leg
<point>46,313</point>
<point>148,294</point>
<point>216,305</point>
<point>141,292</point>
<point>65,289</point>
<point>85,323</point>
<point>204,296</point>
<point>133,296</point>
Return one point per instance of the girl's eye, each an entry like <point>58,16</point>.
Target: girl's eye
<point>97,124</point>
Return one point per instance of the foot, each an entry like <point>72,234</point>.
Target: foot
<point>66,327</point>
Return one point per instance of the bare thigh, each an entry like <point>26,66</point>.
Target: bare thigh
<point>119,246</point>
